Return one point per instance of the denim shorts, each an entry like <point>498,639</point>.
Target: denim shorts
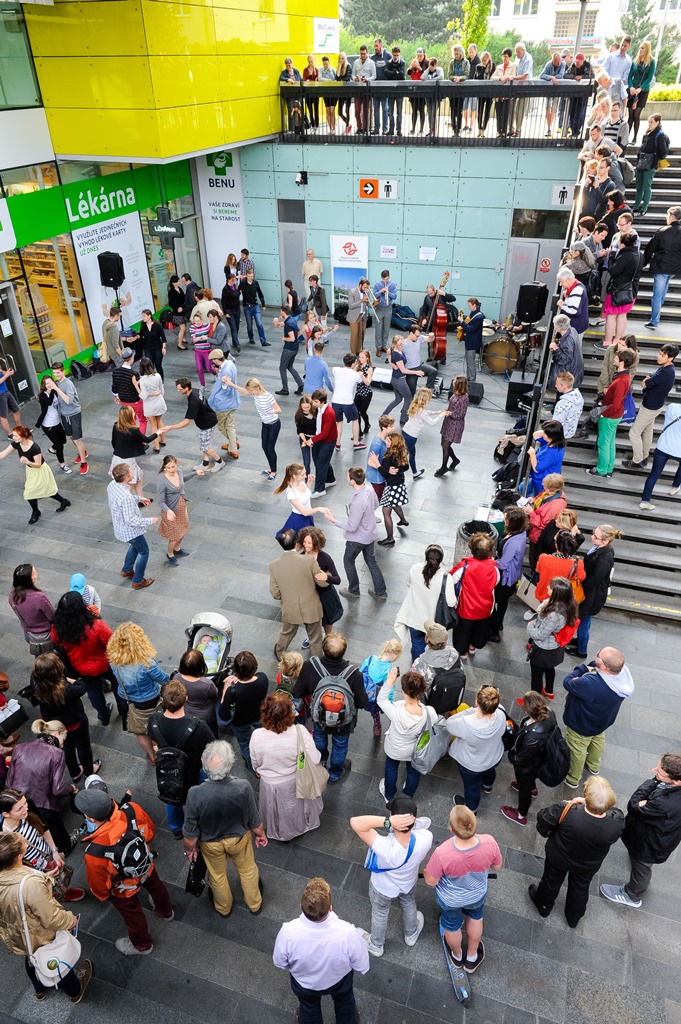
<point>451,918</point>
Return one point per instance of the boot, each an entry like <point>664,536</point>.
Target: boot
<point>453,460</point>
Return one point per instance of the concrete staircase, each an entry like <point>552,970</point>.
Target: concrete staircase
<point>647,577</point>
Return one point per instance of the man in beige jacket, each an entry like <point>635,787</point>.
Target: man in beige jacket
<point>44,916</point>
<point>293,579</point>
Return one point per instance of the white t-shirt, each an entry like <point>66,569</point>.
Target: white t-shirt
<point>51,417</point>
<point>303,497</point>
<point>345,381</point>
<point>391,854</point>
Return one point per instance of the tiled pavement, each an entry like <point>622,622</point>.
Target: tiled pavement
<point>617,966</point>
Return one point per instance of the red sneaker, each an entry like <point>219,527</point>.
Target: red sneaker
<point>73,896</point>
<point>83,469</point>
<point>519,700</point>
<point>77,459</point>
<point>512,814</point>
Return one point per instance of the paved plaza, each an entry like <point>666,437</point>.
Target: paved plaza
<point>619,966</point>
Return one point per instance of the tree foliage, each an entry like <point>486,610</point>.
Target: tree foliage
<point>640,22</point>
<point>394,20</point>
<point>475,19</point>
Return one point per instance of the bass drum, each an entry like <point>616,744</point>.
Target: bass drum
<point>501,356</point>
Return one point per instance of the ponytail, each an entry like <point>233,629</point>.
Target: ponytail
<point>434,556</point>
<point>42,728</point>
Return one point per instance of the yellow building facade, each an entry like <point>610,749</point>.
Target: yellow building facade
<point>150,80</point>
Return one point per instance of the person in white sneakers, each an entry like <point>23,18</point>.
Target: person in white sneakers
<point>345,381</point>
<point>394,861</point>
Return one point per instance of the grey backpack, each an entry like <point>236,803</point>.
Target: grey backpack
<point>333,702</point>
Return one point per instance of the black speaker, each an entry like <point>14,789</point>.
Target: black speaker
<point>532,299</point>
<point>476,392</point>
<point>517,389</point>
<point>111,269</point>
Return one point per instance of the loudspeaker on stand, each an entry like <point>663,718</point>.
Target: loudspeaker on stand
<point>532,299</point>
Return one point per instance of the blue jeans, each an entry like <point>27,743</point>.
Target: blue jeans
<point>269,432</point>
<point>175,816</point>
<point>660,460</point>
<point>137,557</point>
<point>254,313</point>
<point>352,552</point>
<point>411,783</point>
<point>472,781</point>
<point>410,442</point>
<point>582,634</point>
<point>339,750</point>
<point>242,734</point>
<point>381,105</point>
<point>660,286</point>
<point>418,642</point>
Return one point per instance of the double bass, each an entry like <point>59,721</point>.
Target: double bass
<point>437,323</point>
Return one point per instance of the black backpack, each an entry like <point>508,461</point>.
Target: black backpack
<point>447,688</point>
<point>172,764</point>
<point>556,759</point>
<point>131,856</point>
<point>79,371</point>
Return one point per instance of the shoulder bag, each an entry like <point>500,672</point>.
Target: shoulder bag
<point>444,614</point>
<point>53,961</point>
<point>577,588</point>
<point>371,861</point>
<point>311,779</point>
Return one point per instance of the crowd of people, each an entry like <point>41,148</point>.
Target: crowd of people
<point>618,78</point>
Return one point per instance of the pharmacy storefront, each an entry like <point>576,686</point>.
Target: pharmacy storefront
<point>76,238</point>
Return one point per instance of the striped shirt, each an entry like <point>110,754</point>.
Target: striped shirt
<point>38,852</point>
<point>462,874</point>
<point>200,339</point>
<point>263,404</point>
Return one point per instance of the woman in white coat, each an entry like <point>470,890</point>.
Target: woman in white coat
<point>424,582</point>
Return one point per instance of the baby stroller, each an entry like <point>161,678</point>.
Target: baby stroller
<point>211,633</point>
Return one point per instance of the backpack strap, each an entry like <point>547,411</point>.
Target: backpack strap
<point>181,743</point>
<point>318,667</point>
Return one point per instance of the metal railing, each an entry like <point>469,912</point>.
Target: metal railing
<point>529,114</point>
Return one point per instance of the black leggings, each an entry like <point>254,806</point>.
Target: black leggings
<point>58,438</point>
<point>363,402</point>
<point>59,498</point>
<point>539,674</point>
<point>77,749</point>
<point>525,787</point>
<point>52,821</point>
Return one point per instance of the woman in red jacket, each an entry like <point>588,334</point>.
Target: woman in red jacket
<point>613,408</point>
<point>83,639</point>
<point>545,508</point>
<point>479,576</point>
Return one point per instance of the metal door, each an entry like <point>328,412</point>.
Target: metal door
<point>521,266</point>
<point>292,250</point>
<point>15,353</point>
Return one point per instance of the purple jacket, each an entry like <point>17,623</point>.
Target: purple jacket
<point>38,769</point>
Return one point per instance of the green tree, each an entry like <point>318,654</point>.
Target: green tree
<point>475,19</point>
<point>638,22</point>
<point>667,66</point>
<point>400,19</point>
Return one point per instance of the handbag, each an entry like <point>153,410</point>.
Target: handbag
<point>645,161</point>
<point>623,295</point>
<point>332,605</point>
<point>39,643</point>
<point>431,745</point>
<point>527,593</point>
<point>196,876</point>
<point>445,615</point>
<point>577,588</point>
<point>311,779</point>
<point>53,961</point>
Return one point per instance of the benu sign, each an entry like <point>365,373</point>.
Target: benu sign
<point>164,228</point>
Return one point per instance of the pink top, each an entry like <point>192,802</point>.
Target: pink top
<point>274,754</point>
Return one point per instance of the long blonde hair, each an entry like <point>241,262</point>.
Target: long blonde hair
<point>130,645</point>
<point>342,64</point>
<point>420,401</point>
<point>127,420</point>
<point>647,53</point>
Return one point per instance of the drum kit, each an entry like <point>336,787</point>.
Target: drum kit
<point>504,349</point>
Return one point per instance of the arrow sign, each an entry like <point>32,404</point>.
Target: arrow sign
<point>368,188</point>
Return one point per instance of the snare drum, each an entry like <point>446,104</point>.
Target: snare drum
<point>501,356</point>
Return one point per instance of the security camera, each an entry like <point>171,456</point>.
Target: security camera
<point>301,178</point>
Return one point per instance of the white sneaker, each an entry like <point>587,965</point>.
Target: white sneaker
<point>412,939</point>
<point>125,946</point>
<point>374,950</point>
<point>381,790</point>
<point>571,785</point>
<point>318,494</point>
<point>529,614</point>
<point>647,506</point>
<point>66,469</point>
<point>217,466</point>
<point>674,490</point>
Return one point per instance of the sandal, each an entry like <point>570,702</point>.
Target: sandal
<point>97,766</point>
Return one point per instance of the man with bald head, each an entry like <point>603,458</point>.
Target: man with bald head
<point>594,696</point>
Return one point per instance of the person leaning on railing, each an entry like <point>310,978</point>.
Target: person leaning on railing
<point>503,73</point>
<point>483,73</point>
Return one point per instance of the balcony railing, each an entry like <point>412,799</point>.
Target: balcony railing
<point>529,114</point>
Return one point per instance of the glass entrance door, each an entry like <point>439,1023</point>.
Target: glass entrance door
<point>15,354</point>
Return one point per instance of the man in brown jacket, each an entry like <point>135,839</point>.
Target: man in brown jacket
<point>44,916</point>
<point>293,579</point>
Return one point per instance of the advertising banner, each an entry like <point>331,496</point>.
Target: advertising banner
<point>122,236</point>
<point>349,262</point>
<point>221,205</point>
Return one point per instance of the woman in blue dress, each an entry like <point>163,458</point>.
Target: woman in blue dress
<point>299,497</point>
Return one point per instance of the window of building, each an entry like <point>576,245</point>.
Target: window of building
<point>567,21</point>
<point>496,9</point>
<point>18,82</point>
<point>539,223</point>
<point>525,8</point>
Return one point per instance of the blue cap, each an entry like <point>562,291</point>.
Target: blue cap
<point>78,582</point>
